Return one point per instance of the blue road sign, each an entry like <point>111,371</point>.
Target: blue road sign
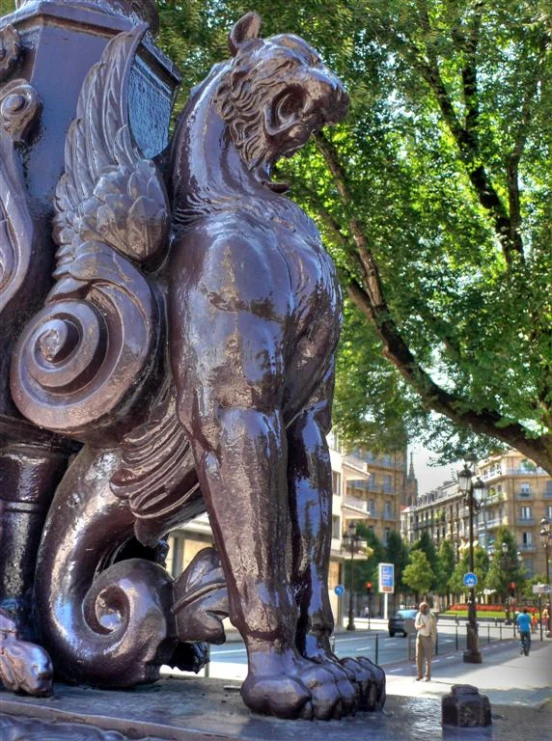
<point>470,579</point>
<point>339,589</point>
<point>386,578</point>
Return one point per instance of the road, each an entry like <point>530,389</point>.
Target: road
<point>229,660</point>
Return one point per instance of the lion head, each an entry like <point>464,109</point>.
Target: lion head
<point>274,95</point>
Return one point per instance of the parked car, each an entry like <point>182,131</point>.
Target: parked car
<point>402,622</point>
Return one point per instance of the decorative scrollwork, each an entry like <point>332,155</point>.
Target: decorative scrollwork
<point>88,353</point>
<point>19,109</point>
<point>10,49</point>
<point>75,360</point>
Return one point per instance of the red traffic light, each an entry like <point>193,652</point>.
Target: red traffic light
<point>368,586</point>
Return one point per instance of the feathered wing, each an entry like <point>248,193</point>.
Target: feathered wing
<point>88,353</point>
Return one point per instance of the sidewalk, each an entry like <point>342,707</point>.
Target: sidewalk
<point>192,709</point>
<point>506,677</point>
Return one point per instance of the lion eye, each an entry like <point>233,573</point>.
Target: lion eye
<point>286,106</point>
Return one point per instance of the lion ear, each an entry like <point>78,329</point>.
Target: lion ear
<point>246,29</point>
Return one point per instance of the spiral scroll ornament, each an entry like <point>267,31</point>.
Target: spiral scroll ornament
<point>88,348</point>
<point>19,110</point>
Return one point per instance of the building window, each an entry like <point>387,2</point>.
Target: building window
<point>525,487</point>
<point>549,512</point>
<point>388,509</point>
<point>372,507</point>
<point>525,513</point>
<point>527,538</point>
<point>386,534</point>
<point>336,483</point>
<point>336,526</point>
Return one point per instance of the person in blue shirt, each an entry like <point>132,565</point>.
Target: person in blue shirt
<point>523,621</point>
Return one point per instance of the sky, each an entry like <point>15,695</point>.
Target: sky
<point>429,477</point>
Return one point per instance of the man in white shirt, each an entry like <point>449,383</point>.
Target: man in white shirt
<point>425,640</point>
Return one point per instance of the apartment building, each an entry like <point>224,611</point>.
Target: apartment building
<point>378,499</point>
<point>519,495</point>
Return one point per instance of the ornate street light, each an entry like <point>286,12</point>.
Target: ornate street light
<point>546,542</point>
<point>353,542</point>
<point>474,492</point>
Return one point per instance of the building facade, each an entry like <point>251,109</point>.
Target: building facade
<point>519,495</point>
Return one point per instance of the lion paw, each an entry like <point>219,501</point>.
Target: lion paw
<point>302,689</point>
<point>370,679</point>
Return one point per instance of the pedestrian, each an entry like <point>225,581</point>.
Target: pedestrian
<point>524,626</point>
<point>534,622</point>
<point>426,639</point>
<point>545,617</point>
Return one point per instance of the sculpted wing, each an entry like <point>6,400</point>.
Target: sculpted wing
<point>88,353</point>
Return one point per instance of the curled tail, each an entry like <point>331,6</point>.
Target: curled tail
<point>113,628</point>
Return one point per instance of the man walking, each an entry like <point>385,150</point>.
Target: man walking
<point>425,641</point>
<point>524,626</point>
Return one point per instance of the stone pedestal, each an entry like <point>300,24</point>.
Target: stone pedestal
<point>464,707</point>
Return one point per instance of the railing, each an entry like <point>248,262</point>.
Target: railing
<point>528,547</point>
<point>526,520</point>
<point>525,495</point>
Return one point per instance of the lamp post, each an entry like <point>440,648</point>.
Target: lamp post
<point>352,541</point>
<point>473,494</point>
<point>546,539</point>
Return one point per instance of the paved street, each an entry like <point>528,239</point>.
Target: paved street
<point>229,660</point>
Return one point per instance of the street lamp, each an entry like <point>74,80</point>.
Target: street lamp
<point>546,538</point>
<point>352,541</point>
<point>473,493</point>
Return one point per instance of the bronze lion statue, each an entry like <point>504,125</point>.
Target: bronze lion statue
<point>199,378</point>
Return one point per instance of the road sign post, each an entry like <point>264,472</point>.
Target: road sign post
<point>386,581</point>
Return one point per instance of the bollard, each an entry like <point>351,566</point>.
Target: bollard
<point>456,638</point>
<point>488,633</point>
<point>437,645</point>
<point>377,649</point>
<point>500,631</point>
<point>409,647</point>
<point>464,707</point>
<point>207,673</point>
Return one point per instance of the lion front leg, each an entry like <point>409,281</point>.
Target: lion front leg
<point>310,492</point>
<point>243,481</point>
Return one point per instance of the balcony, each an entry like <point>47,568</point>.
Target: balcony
<point>528,548</point>
<point>528,521</point>
<point>536,471</point>
<point>525,495</point>
<point>495,522</point>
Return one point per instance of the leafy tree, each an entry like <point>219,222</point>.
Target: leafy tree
<point>505,568</point>
<point>434,198</point>
<point>446,565</point>
<point>397,554</point>
<point>365,570</point>
<point>530,583</point>
<point>481,569</point>
<point>418,575</point>
<point>425,544</point>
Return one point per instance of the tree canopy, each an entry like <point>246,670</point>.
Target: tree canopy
<point>434,198</point>
<point>418,575</point>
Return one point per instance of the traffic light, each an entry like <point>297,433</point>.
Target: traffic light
<point>368,587</point>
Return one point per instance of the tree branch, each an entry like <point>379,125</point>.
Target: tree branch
<point>369,299</point>
<point>465,135</point>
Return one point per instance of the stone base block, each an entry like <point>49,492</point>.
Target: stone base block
<point>464,707</point>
